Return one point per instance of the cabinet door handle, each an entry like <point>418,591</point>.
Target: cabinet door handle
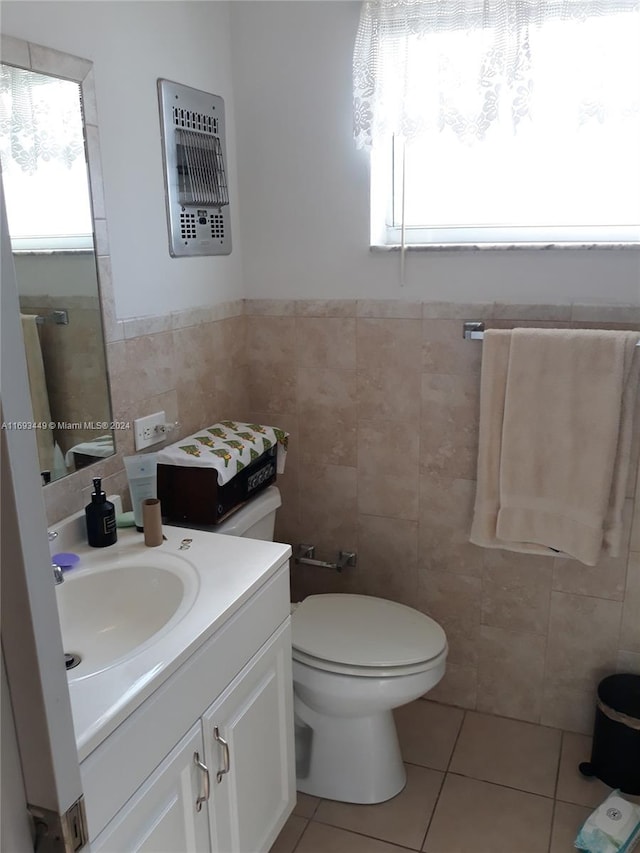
<point>225,754</point>
<point>205,770</point>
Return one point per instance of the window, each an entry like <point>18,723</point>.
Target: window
<point>44,170</point>
<point>500,123</point>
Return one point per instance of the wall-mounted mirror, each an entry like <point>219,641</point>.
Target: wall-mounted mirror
<point>46,168</point>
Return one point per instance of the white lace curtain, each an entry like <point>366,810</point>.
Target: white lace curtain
<point>40,120</point>
<point>434,65</point>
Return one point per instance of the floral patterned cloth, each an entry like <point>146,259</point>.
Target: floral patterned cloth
<point>228,446</point>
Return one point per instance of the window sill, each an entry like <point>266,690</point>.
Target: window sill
<point>56,252</point>
<point>501,247</point>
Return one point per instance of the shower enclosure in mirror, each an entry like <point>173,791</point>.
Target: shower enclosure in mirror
<point>46,178</point>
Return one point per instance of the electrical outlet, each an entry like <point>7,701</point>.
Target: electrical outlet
<point>149,430</point>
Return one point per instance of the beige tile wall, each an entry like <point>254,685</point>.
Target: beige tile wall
<point>74,364</point>
<point>382,401</point>
<point>189,364</point>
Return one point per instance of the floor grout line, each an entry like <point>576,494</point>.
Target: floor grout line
<point>315,808</point>
<point>364,835</point>
<point>433,811</point>
<point>455,743</point>
<point>302,834</point>
<point>500,785</point>
<point>555,790</point>
<point>444,778</point>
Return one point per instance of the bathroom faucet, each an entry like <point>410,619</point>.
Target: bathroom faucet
<point>58,577</point>
<point>57,571</point>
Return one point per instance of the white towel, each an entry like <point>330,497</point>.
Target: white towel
<point>100,447</point>
<point>556,423</point>
<point>38,389</point>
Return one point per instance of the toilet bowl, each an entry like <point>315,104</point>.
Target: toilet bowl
<point>355,659</point>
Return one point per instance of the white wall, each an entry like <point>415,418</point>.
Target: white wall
<point>132,44</point>
<point>304,188</point>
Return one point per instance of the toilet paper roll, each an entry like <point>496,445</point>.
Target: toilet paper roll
<point>152,522</point>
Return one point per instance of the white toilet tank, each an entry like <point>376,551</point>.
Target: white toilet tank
<point>256,519</point>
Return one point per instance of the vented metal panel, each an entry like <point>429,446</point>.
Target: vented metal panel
<point>195,166</point>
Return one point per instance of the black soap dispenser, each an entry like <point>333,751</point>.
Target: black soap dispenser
<point>101,518</point>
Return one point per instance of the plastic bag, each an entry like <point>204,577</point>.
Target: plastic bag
<point>614,827</point>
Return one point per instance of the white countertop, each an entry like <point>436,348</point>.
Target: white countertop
<point>230,569</point>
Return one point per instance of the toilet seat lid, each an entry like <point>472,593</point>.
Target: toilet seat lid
<point>360,630</point>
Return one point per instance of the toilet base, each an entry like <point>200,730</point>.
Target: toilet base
<point>350,759</point>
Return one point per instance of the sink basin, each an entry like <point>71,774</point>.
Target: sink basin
<point>111,612</point>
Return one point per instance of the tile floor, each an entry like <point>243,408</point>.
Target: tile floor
<point>476,783</point>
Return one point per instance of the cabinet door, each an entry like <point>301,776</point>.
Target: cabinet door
<point>248,735</point>
<point>165,814</point>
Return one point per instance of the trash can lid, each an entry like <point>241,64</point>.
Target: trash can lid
<point>622,693</point>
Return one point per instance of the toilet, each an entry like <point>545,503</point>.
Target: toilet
<point>355,659</point>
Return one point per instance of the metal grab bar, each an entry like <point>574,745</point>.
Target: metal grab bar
<point>304,555</point>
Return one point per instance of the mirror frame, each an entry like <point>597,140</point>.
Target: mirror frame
<point>45,60</point>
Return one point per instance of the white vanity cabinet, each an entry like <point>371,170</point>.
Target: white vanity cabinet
<point>249,753</point>
<point>164,815</point>
<point>231,703</point>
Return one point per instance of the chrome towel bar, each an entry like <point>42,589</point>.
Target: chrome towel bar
<point>60,318</point>
<point>473,330</point>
